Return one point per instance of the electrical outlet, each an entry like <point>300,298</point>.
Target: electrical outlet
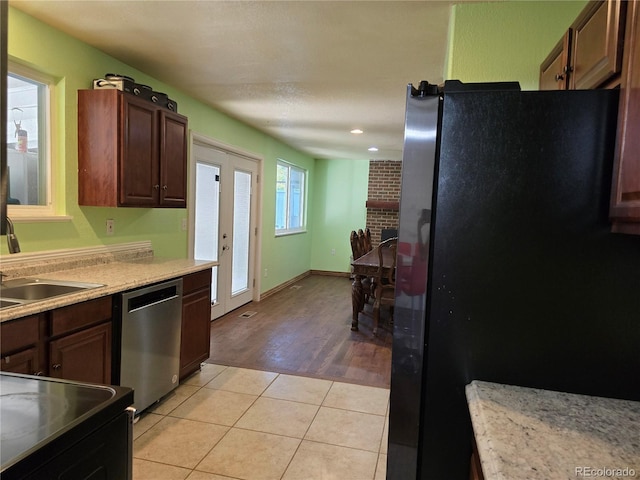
<point>110,226</point>
<point>266,273</point>
<point>333,251</point>
<point>184,224</point>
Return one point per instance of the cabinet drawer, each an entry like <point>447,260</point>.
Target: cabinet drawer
<point>80,315</point>
<point>18,334</point>
<point>196,281</point>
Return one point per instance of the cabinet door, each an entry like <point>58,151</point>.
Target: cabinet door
<point>139,169</point>
<point>625,195</point>
<point>20,346</point>
<point>196,325</point>
<point>554,71</point>
<point>598,36</point>
<point>25,361</point>
<point>84,356</point>
<point>99,131</point>
<point>173,160</point>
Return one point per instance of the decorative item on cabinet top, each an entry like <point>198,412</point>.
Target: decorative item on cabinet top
<point>128,84</point>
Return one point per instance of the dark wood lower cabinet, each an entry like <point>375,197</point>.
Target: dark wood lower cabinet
<point>24,361</point>
<point>76,342</point>
<point>73,342</point>
<point>83,356</point>
<point>20,346</point>
<point>196,321</point>
<point>475,472</point>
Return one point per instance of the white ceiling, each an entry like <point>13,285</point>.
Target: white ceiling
<point>306,72</point>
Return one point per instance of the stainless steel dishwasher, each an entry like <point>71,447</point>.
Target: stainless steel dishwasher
<point>150,344</point>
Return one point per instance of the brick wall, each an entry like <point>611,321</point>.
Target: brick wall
<point>384,186</point>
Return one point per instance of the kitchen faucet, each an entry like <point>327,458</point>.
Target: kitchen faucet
<point>12,240</point>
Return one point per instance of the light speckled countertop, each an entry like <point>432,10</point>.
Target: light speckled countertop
<point>527,433</point>
<point>116,276</point>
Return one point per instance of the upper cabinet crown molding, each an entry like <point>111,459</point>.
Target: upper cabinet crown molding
<point>131,152</point>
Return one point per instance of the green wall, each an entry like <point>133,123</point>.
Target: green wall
<point>75,65</point>
<point>487,42</point>
<point>505,41</point>
<point>338,207</point>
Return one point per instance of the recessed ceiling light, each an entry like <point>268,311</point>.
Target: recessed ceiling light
<point>357,131</point>
<point>373,149</point>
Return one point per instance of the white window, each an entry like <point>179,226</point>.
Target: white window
<point>28,142</point>
<point>290,198</point>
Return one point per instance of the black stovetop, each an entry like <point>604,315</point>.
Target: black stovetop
<point>35,411</point>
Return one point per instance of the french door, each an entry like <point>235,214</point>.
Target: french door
<point>224,226</point>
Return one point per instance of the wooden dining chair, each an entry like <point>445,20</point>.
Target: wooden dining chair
<point>385,281</point>
<point>365,239</point>
<point>357,250</point>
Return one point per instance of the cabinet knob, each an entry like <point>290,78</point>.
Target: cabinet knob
<point>57,366</point>
<point>164,187</point>
<point>39,373</point>
<point>559,76</point>
<point>157,187</point>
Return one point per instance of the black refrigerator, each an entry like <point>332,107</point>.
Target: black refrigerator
<point>507,269</point>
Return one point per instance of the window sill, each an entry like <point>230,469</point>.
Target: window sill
<point>284,233</point>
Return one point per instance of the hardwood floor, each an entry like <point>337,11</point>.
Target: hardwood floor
<point>306,331</point>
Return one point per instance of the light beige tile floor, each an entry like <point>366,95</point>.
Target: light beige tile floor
<point>228,423</point>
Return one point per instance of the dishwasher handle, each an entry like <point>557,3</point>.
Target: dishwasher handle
<point>151,298</point>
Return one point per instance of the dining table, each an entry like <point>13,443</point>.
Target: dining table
<point>368,265</point>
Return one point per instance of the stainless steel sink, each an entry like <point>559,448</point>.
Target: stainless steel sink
<point>8,303</point>
<point>27,290</point>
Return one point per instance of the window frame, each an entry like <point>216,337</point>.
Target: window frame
<point>288,230</point>
<point>48,210</point>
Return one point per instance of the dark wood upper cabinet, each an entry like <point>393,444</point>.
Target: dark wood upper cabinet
<point>598,37</point>
<point>131,152</point>
<point>589,55</point>
<point>554,70</point>
<point>625,194</point>
<point>601,49</point>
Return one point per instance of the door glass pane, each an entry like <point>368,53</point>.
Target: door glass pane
<point>241,231</point>
<point>207,209</point>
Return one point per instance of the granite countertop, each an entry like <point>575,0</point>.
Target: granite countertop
<point>527,433</point>
<point>116,276</point>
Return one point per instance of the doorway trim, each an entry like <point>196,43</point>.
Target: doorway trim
<point>198,138</point>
